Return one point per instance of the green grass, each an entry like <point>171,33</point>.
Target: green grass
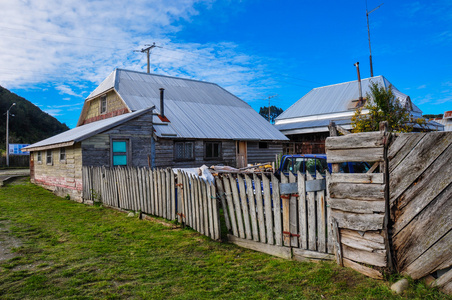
<point>74,251</point>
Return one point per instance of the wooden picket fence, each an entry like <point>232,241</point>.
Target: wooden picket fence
<point>158,192</point>
<point>288,219</point>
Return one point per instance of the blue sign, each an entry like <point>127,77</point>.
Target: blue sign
<point>14,149</point>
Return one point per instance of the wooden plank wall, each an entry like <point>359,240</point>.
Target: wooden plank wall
<point>259,217</point>
<point>158,192</point>
<point>357,203</point>
<point>421,206</point>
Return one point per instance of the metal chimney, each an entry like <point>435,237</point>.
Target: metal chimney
<point>162,106</point>
<point>359,85</point>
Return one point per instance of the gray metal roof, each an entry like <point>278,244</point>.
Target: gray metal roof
<point>196,109</point>
<point>337,98</point>
<point>83,132</point>
<point>313,124</point>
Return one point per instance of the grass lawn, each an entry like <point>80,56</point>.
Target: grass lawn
<point>69,250</point>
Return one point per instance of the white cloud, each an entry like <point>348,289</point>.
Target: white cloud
<point>421,87</point>
<point>72,41</point>
<point>53,112</point>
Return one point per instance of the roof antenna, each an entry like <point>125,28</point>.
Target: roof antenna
<point>148,52</point>
<point>368,33</point>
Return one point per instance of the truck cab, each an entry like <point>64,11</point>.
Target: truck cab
<point>316,162</point>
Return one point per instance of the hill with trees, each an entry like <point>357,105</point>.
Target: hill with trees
<point>29,123</point>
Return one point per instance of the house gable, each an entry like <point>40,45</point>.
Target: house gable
<point>93,111</point>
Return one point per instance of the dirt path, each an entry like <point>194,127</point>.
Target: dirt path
<point>7,242</point>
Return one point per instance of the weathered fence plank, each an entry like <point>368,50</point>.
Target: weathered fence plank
<point>252,204</point>
<point>237,206</point>
<point>222,195</point>
<point>285,214</point>
<point>302,212</point>
<point>260,208</point>
<point>268,209</point>
<point>312,226</point>
<point>244,203</point>
<point>354,141</point>
<point>293,216</point>
<point>321,218</point>
<point>227,188</point>
<point>357,191</point>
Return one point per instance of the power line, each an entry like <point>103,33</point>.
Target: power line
<point>148,52</point>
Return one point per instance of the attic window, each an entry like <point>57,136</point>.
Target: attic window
<point>103,104</point>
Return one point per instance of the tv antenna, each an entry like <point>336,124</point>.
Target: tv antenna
<point>368,33</point>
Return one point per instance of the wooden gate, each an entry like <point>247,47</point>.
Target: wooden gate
<point>288,219</point>
<point>421,204</point>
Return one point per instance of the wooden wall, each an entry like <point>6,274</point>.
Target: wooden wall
<point>96,149</point>
<point>164,153</point>
<point>61,177</point>
<point>263,155</point>
<point>420,166</point>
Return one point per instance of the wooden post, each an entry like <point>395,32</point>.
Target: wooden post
<point>338,246</point>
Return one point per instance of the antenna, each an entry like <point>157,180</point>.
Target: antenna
<point>368,33</point>
<point>148,52</point>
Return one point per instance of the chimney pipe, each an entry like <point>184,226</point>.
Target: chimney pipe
<point>359,85</point>
<point>162,107</point>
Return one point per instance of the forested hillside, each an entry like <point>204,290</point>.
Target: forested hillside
<point>29,123</point>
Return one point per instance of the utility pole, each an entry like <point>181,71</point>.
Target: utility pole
<point>368,33</point>
<point>269,97</point>
<point>148,52</point>
<point>7,134</point>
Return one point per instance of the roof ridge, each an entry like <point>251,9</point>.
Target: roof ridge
<point>347,82</point>
<point>166,76</point>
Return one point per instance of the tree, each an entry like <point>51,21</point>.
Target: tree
<point>274,112</point>
<point>383,106</point>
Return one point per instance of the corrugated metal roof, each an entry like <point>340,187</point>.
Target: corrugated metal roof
<point>83,132</point>
<point>196,109</point>
<point>336,98</point>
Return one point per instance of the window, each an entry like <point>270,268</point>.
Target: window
<point>212,150</point>
<point>49,157</point>
<point>62,154</point>
<point>39,158</point>
<point>263,145</point>
<point>183,151</point>
<point>103,104</point>
<point>119,152</point>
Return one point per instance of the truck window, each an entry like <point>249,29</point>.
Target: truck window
<point>360,167</point>
<point>287,165</point>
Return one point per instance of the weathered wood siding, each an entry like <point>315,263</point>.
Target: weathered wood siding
<point>263,155</point>
<point>262,216</point>
<point>164,153</point>
<point>159,192</point>
<point>96,149</point>
<point>421,203</point>
<point>62,177</point>
<point>358,205</point>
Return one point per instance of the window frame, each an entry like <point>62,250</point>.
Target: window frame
<point>49,158</point>
<point>128,152</point>
<point>184,143</point>
<point>39,157</point>
<point>63,154</point>
<point>220,150</point>
<point>102,107</point>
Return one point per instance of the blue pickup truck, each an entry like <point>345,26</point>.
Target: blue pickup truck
<point>316,162</point>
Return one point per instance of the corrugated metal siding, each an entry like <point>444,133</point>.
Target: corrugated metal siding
<point>334,98</point>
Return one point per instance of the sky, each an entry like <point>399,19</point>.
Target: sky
<point>55,53</point>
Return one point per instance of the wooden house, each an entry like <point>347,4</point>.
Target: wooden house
<point>140,119</point>
<point>306,121</point>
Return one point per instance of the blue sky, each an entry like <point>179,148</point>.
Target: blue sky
<point>54,53</point>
